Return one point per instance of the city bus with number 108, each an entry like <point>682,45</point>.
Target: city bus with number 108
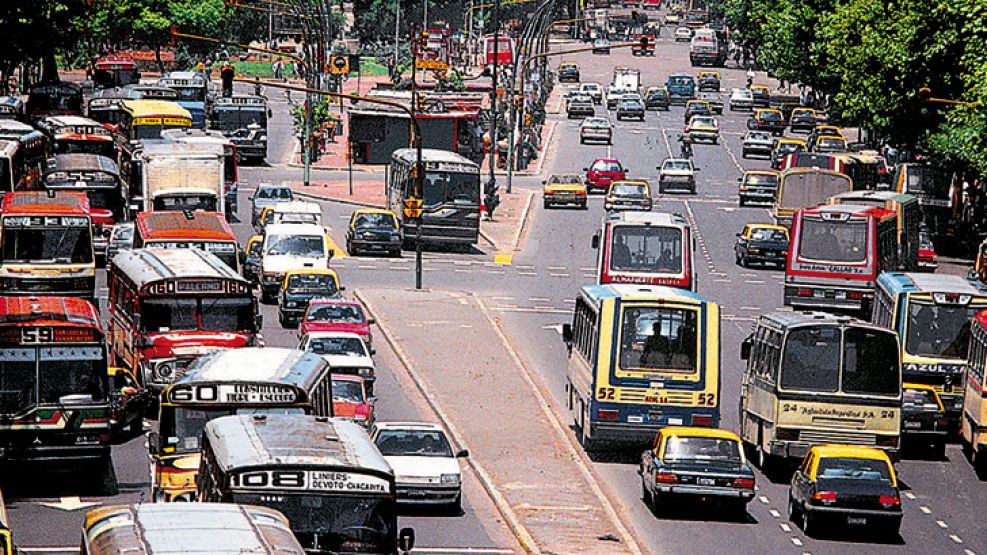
<point>640,358</point>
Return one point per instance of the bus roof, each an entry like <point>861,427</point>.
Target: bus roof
<point>173,528</point>
<point>66,121</point>
<point>790,319</point>
<point>80,162</point>
<point>47,311</point>
<point>14,128</point>
<point>292,439</point>
<point>146,266</point>
<point>159,147</point>
<point>155,108</point>
<point>871,198</point>
<point>8,147</point>
<point>648,218</point>
<point>626,291</point>
<point>173,225</point>
<point>913,282</point>
<point>257,364</point>
<point>431,155</point>
<point>62,203</point>
<point>196,136</point>
<point>183,75</point>
<point>846,211</point>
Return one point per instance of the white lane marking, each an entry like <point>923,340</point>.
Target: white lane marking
<point>969,552</point>
<point>527,273</point>
<point>941,524</point>
<point>559,275</point>
<point>909,495</point>
<point>797,542</point>
<point>955,538</point>
<point>539,299</point>
<point>924,509</point>
<point>785,528</point>
<point>764,499</point>
<point>754,281</point>
<point>774,513</point>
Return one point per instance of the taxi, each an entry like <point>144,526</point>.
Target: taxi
<point>761,94</point>
<point>829,143</point>
<point>846,485</point>
<point>373,230</point>
<point>703,128</point>
<point>697,108</point>
<point>803,119</point>
<point>628,195</point>
<point>564,190</point>
<point>300,287</point>
<point>761,243</point>
<point>291,212</point>
<point>702,464</point>
<point>784,146</point>
<point>767,119</point>
<point>708,81</point>
<point>656,98</point>
<point>350,399</point>
<point>757,186</point>
<point>568,72</point>
<point>603,172</point>
<point>923,418</point>
<point>820,130</point>
<point>251,258</point>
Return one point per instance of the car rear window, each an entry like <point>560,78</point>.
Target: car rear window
<point>849,468</point>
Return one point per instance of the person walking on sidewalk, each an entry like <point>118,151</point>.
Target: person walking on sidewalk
<point>277,67</point>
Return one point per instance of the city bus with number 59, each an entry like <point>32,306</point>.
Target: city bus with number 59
<point>640,358</point>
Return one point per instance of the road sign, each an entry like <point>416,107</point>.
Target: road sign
<point>431,64</point>
<point>339,64</point>
<point>413,208</point>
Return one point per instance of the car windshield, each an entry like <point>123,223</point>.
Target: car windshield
<point>677,165</point>
<point>683,448</point>
<point>847,468</point>
<point>661,339</point>
<point>771,116</point>
<point>596,122</point>
<point>803,115</point>
<point>762,179</point>
<point>347,313</point>
<point>413,443</point>
<point>759,136</point>
<point>343,346</point>
<point>650,249</point>
<point>374,219</point>
<point>627,189</point>
<point>704,121</point>
<point>282,194</point>
<point>630,103</point>
<point>833,241</point>
<point>296,245</point>
<point>681,80</point>
<point>657,94</point>
<point>323,283</point>
<point>768,235</point>
<point>918,399</point>
<point>591,87</point>
<point>565,180</point>
<point>348,391</point>
<point>940,331</point>
<point>790,147</point>
<point>604,166</point>
<point>742,95</point>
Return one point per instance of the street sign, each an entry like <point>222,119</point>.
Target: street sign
<point>413,208</point>
<point>431,64</point>
<point>339,64</point>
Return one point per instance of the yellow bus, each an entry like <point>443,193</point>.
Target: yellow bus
<point>641,357</point>
<point>814,378</point>
<point>973,426</point>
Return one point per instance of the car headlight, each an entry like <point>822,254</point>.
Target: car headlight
<point>395,238</point>
<point>449,478</point>
<point>291,304</point>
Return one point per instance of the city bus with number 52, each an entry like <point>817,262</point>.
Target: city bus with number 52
<point>640,358</point>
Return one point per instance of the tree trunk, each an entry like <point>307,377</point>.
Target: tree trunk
<point>157,56</point>
<point>49,68</point>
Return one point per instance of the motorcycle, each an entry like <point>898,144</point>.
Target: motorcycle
<point>685,146</point>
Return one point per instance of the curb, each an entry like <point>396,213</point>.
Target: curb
<point>578,455</point>
<point>520,532</point>
<point>516,241</point>
<point>334,169</point>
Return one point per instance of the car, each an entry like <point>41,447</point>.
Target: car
<point>594,90</point>
<point>121,239</point>
<point>714,99</point>
<point>579,105</point>
<point>782,147</point>
<point>614,94</point>
<point>604,171</point>
<point>300,287</point>
<point>847,486</point>
<point>426,468</point>
<point>761,95</point>
<point>757,186</point>
<point>596,129</point>
<point>644,44</point>
<point>628,195</point>
<point>928,260</point>
<point>251,259</point>
<point>696,464</point>
<point>630,106</point>
<point>656,98</point>
<point>347,353</point>
<point>741,99</point>
<point>568,72</point>
<point>601,46</point>
<point>290,247</point>
<point>696,108</point>
<point>820,130</point>
<point>677,173</point>
<point>761,244</point>
<point>709,81</point>
<point>703,128</point>
<point>683,34</point>
<point>250,143</point>
<point>767,119</point>
<point>562,190</point>
<point>803,119</point>
<point>268,194</point>
<point>757,143</point>
<point>923,418</point>
<point>374,230</point>
<point>351,400</point>
<point>291,212</point>
<point>673,16</point>
<point>829,143</point>
<point>342,315</point>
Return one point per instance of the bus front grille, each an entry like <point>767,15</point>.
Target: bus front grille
<point>847,438</point>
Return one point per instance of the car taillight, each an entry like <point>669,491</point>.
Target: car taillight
<point>889,501</point>
<point>887,441</point>
<point>805,292</point>
<point>702,421</point>
<point>825,497</point>
<point>743,483</point>
<point>666,478</point>
<point>580,193</point>
<point>855,295</point>
<point>611,415</point>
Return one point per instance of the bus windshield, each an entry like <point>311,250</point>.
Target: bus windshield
<point>48,245</point>
<point>812,361</point>
<point>182,426</point>
<point>940,331</point>
<point>833,241</point>
<point>190,94</point>
<point>102,148</point>
<point>451,188</point>
<point>47,375</point>
<point>646,249</point>
<point>658,339</point>
<point>217,314</point>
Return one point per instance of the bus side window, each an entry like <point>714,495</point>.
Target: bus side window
<point>773,354</point>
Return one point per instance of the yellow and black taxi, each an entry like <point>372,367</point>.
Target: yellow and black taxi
<point>763,244</point>
<point>703,128</point>
<point>656,98</point>
<point>568,72</point>
<point>702,464</point>
<point>923,418</point>
<point>757,186</point>
<point>373,230</point>
<point>803,119</point>
<point>298,289</point>
<point>761,95</point>
<point>628,195</point>
<point>829,143</point>
<point>767,119</point>
<point>708,81</point>
<point>696,108</point>
<point>847,486</point>
<point>783,146</point>
<point>820,130</point>
<point>564,190</point>
<point>251,258</point>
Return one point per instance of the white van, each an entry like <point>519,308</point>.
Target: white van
<point>290,247</point>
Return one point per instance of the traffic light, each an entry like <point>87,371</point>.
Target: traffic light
<point>413,208</point>
<point>227,74</point>
<point>339,64</point>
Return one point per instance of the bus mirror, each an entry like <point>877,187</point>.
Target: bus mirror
<point>152,442</point>
<point>332,253</point>
<point>406,540</point>
<point>745,350</point>
<point>567,333</point>
<point>596,240</point>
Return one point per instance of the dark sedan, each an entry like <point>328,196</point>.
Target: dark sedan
<point>656,98</point>
<point>762,243</point>
<point>630,107</point>
<point>923,418</point>
<point>568,72</point>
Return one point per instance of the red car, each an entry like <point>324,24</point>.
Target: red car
<point>336,315</point>
<point>928,261</point>
<point>603,172</point>
<point>349,399</point>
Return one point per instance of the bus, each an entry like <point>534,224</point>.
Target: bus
<point>973,425</point>
<point>31,153</point>
<point>906,209</point>
<point>650,248</point>
<point>47,244</point>
<point>115,71</point>
<point>835,255</point>
<point>104,106</point>
<point>814,378</point>
<point>451,195</point>
<point>76,134</point>
<point>933,185</point>
<point>12,175</point>
<point>324,474</point>
<point>231,157</point>
<point>641,357</point>
<point>214,528</point>
<point>169,306</point>
<point>806,187</point>
<point>99,178</point>
<point>146,119</point>
<point>500,48</point>
<point>54,99</point>
<point>932,314</point>
<point>250,380</point>
<point>207,231</point>
<point>230,114</point>
<point>193,93</point>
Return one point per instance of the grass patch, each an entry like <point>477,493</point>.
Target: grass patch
<point>368,68</point>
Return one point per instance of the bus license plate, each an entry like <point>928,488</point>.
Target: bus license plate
<point>856,520</point>
<point>913,424</point>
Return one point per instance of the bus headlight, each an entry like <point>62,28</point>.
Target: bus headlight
<point>164,370</point>
<point>449,478</point>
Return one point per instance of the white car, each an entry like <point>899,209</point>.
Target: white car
<point>741,99</point>
<point>594,90</point>
<point>290,247</point>
<point>426,469</point>
<point>596,129</point>
<point>683,34</point>
<point>346,353</point>
<point>677,173</point>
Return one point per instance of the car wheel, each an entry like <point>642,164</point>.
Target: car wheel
<point>396,253</point>
<point>456,507</point>
<point>547,205</point>
<point>716,140</point>
<point>794,514</point>
<point>743,154</point>
<point>808,524</point>
<point>582,141</point>
<point>743,202</point>
<point>283,321</point>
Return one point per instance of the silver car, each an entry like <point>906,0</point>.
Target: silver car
<point>268,194</point>
<point>596,129</point>
<point>759,143</point>
<point>741,99</point>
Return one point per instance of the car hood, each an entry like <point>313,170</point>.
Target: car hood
<point>422,466</point>
<point>346,361</point>
<point>283,263</point>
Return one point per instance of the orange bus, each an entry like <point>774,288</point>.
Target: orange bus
<point>207,231</point>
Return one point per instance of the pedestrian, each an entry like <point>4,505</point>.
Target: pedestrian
<point>277,68</point>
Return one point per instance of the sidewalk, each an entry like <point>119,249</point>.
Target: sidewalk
<point>492,406</point>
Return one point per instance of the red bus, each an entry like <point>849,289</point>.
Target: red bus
<point>505,47</point>
<point>99,178</point>
<point>650,248</point>
<point>168,306</point>
<point>77,134</point>
<point>115,71</point>
<point>171,229</point>
<point>836,253</point>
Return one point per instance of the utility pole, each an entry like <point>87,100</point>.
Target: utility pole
<point>492,184</point>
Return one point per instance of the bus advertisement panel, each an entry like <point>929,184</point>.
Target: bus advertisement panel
<point>651,248</point>
<point>99,178</point>
<point>248,380</point>
<point>815,378</point>
<point>640,358</point>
